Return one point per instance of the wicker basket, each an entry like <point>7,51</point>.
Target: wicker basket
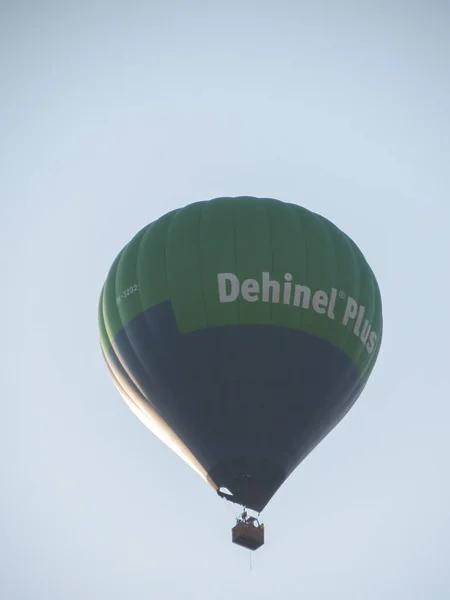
<point>247,535</point>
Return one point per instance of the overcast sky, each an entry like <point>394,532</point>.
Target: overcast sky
<point>113,113</point>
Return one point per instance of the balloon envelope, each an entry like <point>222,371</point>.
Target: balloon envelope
<point>241,331</point>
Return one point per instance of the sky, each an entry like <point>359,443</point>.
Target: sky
<point>113,113</point>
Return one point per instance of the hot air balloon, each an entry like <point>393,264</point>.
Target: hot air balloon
<point>241,331</point>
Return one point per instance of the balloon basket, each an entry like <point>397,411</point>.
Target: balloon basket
<point>248,534</point>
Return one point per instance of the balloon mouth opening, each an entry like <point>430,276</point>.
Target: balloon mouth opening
<point>250,482</point>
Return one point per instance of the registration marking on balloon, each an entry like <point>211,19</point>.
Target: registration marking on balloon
<point>230,289</point>
<point>130,290</point>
